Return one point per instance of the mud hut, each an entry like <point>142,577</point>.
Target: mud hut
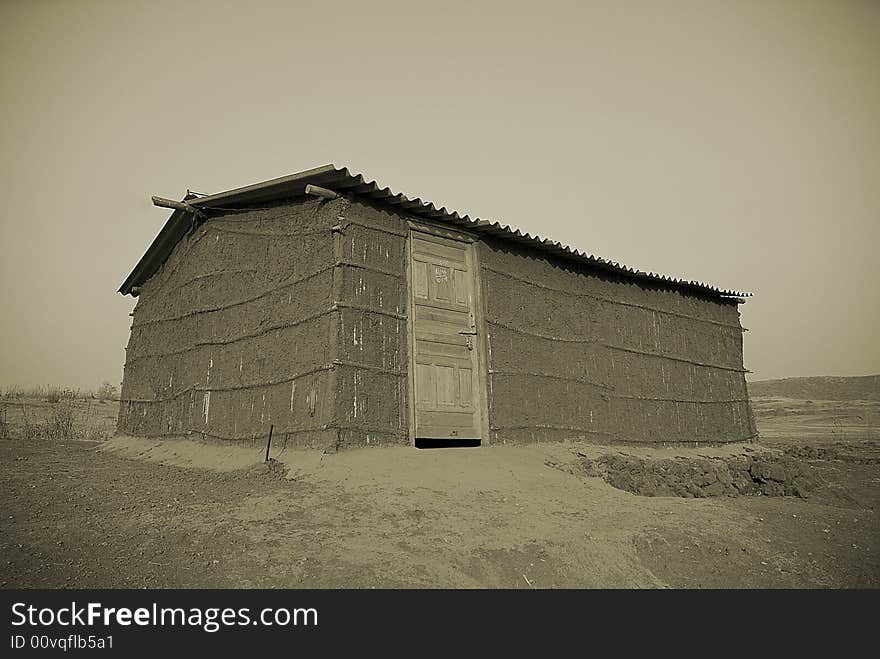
<point>343,314</point>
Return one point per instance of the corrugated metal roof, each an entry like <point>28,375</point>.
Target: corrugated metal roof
<point>345,182</point>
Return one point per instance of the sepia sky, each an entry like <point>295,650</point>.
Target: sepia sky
<point>733,142</point>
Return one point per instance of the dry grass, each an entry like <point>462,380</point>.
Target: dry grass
<point>43,414</point>
<point>55,412</point>
<point>55,394</point>
<point>49,393</point>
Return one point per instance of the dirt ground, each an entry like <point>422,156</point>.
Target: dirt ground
<point>132,513</point>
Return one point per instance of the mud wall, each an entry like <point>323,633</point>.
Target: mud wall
<point>295,316</point>
<point>370,293</point>
<point>232,334</point>
<point>575,353</point>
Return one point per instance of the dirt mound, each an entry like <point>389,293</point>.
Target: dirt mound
<point>272,469</point>
<point>762,474</point>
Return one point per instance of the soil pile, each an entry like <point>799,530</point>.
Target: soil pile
<point>762,474</point>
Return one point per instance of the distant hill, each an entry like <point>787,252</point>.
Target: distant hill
<point>865,387</point>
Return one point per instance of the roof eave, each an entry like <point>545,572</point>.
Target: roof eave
<point>342,181</point>
<point>274,188</point>
<point>169,235</point>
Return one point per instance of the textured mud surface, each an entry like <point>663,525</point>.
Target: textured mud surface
<point>294,317</point>
<point>579,354</point>
<point>764,474</point>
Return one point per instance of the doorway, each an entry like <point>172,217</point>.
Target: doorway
<point>447,392</point>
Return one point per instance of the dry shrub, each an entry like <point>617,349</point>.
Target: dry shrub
<point>51,394</point>
<point>106,392</point>
<point>13,392</point>
<point>58,426</point>
<point>61,425</point>
<point>67,415</point>
<point>57,394</point>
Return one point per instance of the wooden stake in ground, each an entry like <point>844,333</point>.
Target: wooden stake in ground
<point>269,443</point>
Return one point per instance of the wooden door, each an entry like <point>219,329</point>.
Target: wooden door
<point>445,346</point>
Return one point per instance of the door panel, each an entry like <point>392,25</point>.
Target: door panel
<point>445,349</point>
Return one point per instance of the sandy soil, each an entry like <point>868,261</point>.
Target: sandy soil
<point>129,513</point>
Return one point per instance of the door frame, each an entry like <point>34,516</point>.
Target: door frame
<point>481,340</point>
